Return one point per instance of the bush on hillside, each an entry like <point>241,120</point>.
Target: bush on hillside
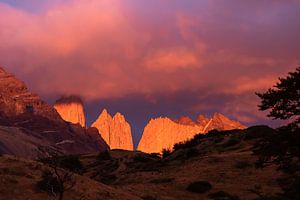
<point>221,195</point>
<point>68,162</point>
<point>282,148</point>
<point>144,158</point>
<point>166,153</point>
<point>189,143</point>
<point>104,155</point>
<point>199,187</point>
<point>49,183</point>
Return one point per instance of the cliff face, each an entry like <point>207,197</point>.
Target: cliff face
<point>115,130</point>
<point>15,99</point>
<point>71,110</point>
<point>163,133</point>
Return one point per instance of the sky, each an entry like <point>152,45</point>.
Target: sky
<point>150,58</point>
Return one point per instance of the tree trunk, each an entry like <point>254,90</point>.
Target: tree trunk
<point>61,195</point>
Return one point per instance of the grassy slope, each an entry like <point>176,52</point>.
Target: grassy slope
<point>18,180</point>
<point>228,166</point>
<point>225,161</point>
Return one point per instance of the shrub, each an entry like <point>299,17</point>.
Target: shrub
<point>213,133</point>
<point>104,155</point>
<point>108,178</point>
<point>199,187</point>
<point>221,195</point>
<point>15,171</point>
<point>199,136</point>
<point>192,152</point>
<point>242,164</point>
<point>231,142</point>
<point>189,143</point>
<point>147,197</point>
<point>49,183</point>
<point>68,162</point>
<point>179,145</point>
<point>56,182</point>
<point>162,180</point>
<point>290,186</point>
<point>280,148</point>
<point>196,140</point>
<point>142,158</point>
<point>71,163</point>
<point>166,153</point>
<point>257,132</point>
<point>155,155</point>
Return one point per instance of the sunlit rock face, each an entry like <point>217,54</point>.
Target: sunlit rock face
<point>115,130</point>
<point>15,99</point>
<point>71,110</point>
<point>163,133</point>
<point>222,123</point>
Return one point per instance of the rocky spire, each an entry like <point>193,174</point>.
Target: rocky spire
<point>71,109</point>
<point>115,130</point>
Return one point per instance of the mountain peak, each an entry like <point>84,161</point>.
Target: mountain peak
<point>119,116</point>
<point>104,114</point>
<point>104,111</point>
<point>71,109</point>
<point>185,120</point>
<point>218,115</point>
<point>115,131</point>
<point>69,100</point>
<point>162,133</point>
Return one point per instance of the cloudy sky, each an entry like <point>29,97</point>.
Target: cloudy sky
<point>147,58</point>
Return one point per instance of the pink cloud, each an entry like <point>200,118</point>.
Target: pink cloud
<point>170,60</point>
<point>111,49</point>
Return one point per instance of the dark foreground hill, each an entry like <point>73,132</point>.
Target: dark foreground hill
<point>220,165</point>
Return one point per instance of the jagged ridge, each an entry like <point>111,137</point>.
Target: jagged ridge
<point>163,133</point>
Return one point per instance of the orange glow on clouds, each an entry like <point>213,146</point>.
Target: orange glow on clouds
<point>112,49</point>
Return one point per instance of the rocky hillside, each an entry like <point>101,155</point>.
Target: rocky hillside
<point>71,109</point>
<point>163,133</point>
<point>19,180</point>
<point>29,123</point>
<point>16,99</point>
<point>221,165</point>
<point>115,130</point>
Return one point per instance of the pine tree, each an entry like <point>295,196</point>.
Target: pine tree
<point>283,100</point>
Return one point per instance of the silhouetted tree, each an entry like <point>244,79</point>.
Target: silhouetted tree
<point>56,181</point>
<point>283,147</point>
<point>284,98</point>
